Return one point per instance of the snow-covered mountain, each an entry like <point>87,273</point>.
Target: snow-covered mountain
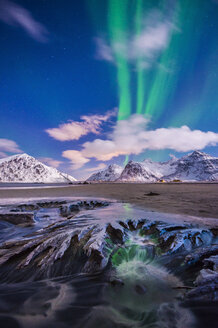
<point>196,166</point>
<point>25,168</point>
<point>112,173</point>
<point>146,171</point>
<point>135,171</point>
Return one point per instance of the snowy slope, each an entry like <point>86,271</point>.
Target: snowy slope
<point>135,171</point>
<point>112,173</point>
<point>25,168</point>
<point>147,171</point>
<point>196,166</point>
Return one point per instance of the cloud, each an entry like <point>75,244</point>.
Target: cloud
<point>123,140</point>
<point>9,146</point>
<point>132,136</point>
<point>76,158</point>
<point>146,46</point>
<point>104,51</point>
<point>75,130</point>
<point>100,166</point>
<point>15,15</point>
<point>50,161</point>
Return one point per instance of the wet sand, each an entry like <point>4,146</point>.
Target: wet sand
<point>195,199</point>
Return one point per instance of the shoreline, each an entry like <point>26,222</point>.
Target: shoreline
<point>193,199</point>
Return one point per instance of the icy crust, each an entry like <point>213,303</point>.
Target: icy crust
<point>25,168</point>
<point>81,243</point>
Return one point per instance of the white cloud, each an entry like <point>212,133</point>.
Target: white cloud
<point>76,158</point>
<point>124,140</point>
<point>152,40</point>
<point>75,130</point>
<point>15,15</point>
<point>100,166</point>
<point>50,161</point>
<point>104,51</point>
<point>10,146</point>
<point>154,37</point>
<point>132,136</point>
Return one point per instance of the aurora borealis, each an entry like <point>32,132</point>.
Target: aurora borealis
<point>63,61</point>
<point>152,89</point>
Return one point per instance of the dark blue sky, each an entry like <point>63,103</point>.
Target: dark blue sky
<point>53,71</point>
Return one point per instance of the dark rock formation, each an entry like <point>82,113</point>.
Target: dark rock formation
<point>18,218</point>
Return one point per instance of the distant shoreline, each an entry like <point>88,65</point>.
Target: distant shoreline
<point>62,184</point>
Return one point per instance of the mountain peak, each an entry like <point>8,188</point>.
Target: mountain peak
<point>196,166</point>
<point>198,153</point>
<point>25,168</point>
<point>111,173</point>
<point>113,166</point>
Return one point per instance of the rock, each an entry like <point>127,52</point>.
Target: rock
<point>184,239</point>
<point>132,225</point>
<point>211,262</point>
<point>75,207</point>
<point>140,289</point>
<point>165,243</point>
<point>94,262</point>
<point>206,276</point>
<point>115,235</point>
<point>67,210</point>
<point>150,229</point>
<point>200,254</point>
<point>51,204</point>
<point>123,224</point>
<point>35,206</point>
<point>27,207</point>
<point>116,282</point>
<point>151,193</point>
<point>205,293</point>
<point>140,224</point>
<point>18,218</point>
<point>206,282</point>
<point>214,231</point>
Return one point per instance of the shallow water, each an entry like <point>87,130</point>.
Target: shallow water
<point>135,289</point>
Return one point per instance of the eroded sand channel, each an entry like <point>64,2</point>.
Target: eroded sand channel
<point>91,262</point>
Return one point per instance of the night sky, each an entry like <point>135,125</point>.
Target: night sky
<point>91,82</point>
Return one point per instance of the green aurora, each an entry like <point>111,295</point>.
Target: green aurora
<point>154,90</point>
<point>151,89</point>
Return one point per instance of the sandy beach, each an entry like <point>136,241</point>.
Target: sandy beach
<point>195,199</point>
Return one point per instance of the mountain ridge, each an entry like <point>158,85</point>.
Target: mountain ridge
<point>112,173</point>
<point>196,166</point>
<point>27,169</point>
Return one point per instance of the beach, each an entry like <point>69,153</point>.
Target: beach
<point>193,199</point>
